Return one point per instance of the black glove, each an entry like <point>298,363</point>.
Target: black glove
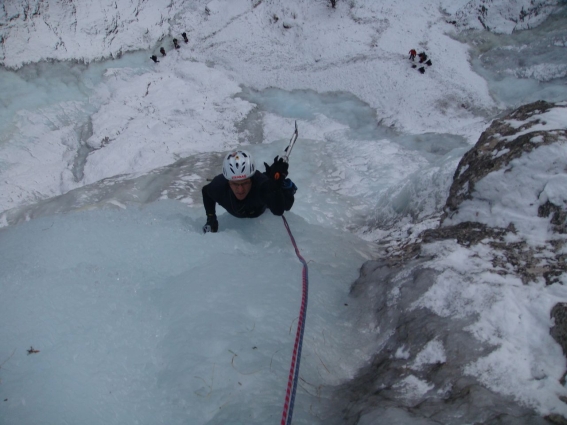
<point>212,224</point>
<point>278,170</point>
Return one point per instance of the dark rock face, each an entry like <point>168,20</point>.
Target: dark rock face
<point>397,387</point>
<point>559,330</point>
<point>558,216</point>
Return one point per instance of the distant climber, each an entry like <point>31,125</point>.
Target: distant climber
<point>154,58</point>
<point>422,57</point>
<point>412,54</point>
<point>184,35</point>
<point>175,43</point>
<point>162,51</point>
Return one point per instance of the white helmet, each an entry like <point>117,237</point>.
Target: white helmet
<point>238,165</point>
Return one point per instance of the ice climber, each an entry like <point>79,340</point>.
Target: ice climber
<point>246,192</point>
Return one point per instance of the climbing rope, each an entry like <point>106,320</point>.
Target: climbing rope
<point>296,356</point>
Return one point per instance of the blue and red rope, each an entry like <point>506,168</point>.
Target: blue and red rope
<point>296,356</point>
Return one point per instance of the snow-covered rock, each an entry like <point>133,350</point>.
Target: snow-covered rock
<point>515,176</point>
<point>36,30</point>
<point>490,276</point>
<point>503,16</point>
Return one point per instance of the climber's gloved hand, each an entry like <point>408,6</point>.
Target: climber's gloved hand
<point>278,170</point>
<point>212,224</point>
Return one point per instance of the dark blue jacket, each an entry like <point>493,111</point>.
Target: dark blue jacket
<point>265,193</point>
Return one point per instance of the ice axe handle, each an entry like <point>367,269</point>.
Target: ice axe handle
<point>290,146</point>
<point>288,149</point>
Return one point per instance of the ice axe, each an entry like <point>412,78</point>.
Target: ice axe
<point>288,149</point>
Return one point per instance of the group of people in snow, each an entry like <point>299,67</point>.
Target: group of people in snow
<point>422,59</point>
<point>175,45</point>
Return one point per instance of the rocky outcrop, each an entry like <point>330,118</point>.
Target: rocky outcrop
<point>36,30</point>
<point>505,140</point>
<point>445,304</point>
<point>503,17</point>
